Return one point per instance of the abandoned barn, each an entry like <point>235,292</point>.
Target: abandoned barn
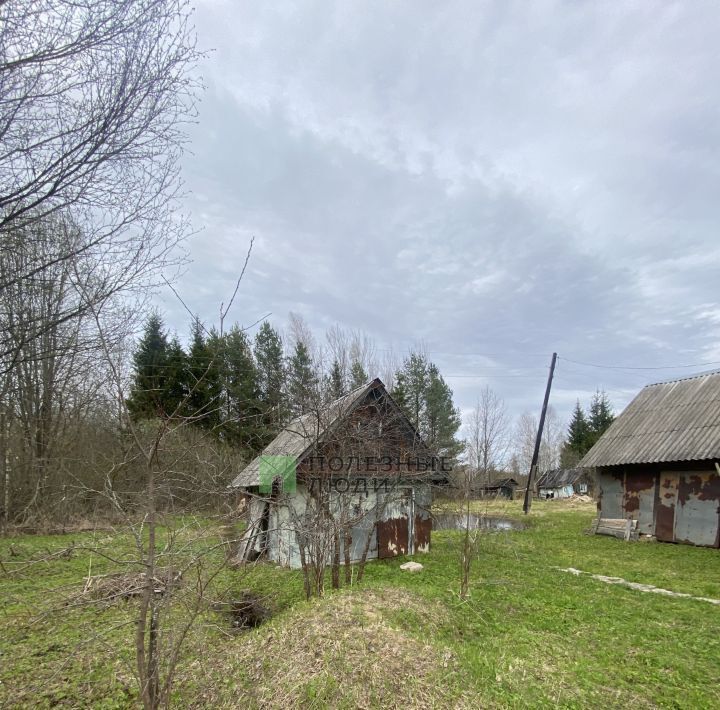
<point>349,480</point>
<point>500,488</point>
<point>564,483</point>
<point>656,464</point>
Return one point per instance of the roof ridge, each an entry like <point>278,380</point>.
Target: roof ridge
<point>697,375</point>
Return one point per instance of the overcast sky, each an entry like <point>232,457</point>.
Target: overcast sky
<point>496,179</point>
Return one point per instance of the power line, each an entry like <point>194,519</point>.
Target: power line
<point>633,367</point>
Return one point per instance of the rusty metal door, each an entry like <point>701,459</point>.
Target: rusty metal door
<point>392,537</point>
<point>696,514</point>
<point>665,508</point>
<point>639,499</point>
<point>394,533</point>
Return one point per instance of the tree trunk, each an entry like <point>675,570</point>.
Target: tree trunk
<point>336,560</point>
<point>348,546</point>
<point>6,472</point>
<point>465,571</point>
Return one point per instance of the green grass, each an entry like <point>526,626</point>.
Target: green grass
<point>529,635</point>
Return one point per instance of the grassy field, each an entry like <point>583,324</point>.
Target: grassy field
<point>529,636</point>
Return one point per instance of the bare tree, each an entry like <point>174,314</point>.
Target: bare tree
<point>300,332</point>
<point>93,101</point>
<point>51,382</point>
<point>550,446</point>
<point>487,435</point>
<point>158,644</point>
<point>487,444</point>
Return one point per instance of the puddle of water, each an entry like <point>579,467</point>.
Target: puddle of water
<point>456,521</point>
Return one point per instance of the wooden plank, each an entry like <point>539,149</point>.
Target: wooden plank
<point>621,528</point>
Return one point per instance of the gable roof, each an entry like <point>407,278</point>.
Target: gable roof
<point>559,477</point>
<point>677,420</point>
<point>500,482</point>
<point>303,433</point>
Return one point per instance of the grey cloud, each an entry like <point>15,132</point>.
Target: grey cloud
<point>496,178</point>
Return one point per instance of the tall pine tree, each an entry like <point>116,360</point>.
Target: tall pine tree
<point>426,399</point>
<point>442,420</point>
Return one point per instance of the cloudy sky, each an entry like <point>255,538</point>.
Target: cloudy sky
<point>499,180</point>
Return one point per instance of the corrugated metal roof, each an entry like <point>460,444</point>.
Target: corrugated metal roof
<point>559,477</point>
<point>668,421</point>
<point>302,433</point>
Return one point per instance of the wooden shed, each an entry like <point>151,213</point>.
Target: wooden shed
<point>657,462</point>
<point>500,488</point>
<point>360,473</point>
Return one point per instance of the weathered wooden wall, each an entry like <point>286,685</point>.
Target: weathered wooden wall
<point>404,528</point>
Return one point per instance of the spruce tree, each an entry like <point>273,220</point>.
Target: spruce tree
<point>411,382</point>
<point>578,438</point>
<point>335,385</point>
<point>149,363</point>
<point>271,375</point>
<point>358,376</point>
<point>301,380</point>
<point>176,374</point>
<point>204,377</point>
<point>242,410</point>
<point>601,416</point>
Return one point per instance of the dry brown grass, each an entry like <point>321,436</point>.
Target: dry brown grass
<point>342,651</point>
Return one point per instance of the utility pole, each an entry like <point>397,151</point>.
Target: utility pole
<point>538,439</point>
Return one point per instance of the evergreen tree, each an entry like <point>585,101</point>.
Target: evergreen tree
<point>271,377</point>
<point>358,376</point>
<point>601,416</point>
<point>423,394</point>
<point>204,377</point>
<point>584,430</point>
<point>149,363</point>
<point>578,438</point>
<point>411,383</point>
<point>301,380</point>
<point>176,371</point>
<point>335,385</point>
<point>442,420</point>
<point>242,409</point>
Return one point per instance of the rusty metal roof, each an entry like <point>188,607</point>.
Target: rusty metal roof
<point>667,421</point>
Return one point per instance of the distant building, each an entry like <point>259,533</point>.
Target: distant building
<point>564,483</point>
<point>500,488</point>
<point>656,464</point>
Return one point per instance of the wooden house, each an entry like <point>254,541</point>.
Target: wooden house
<point>359,485</point>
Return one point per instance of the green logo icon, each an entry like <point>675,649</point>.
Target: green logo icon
<point>274,467</point>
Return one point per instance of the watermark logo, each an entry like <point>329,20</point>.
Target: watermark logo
<point>273,467</point>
